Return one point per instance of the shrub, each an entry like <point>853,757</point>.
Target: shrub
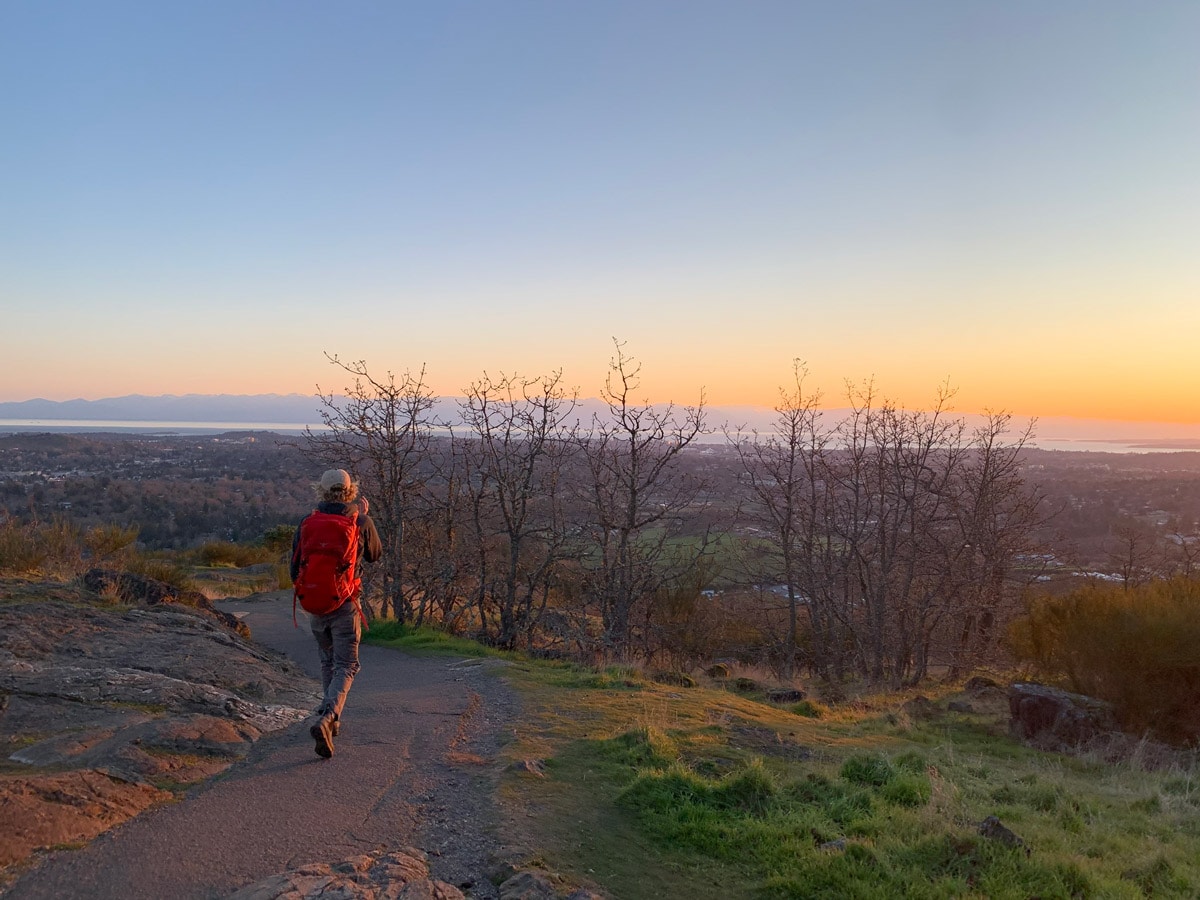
<point>279,538</point>
<point>49,548</point>
<point>106,542</point>
<point>1138,649</point>
<point>165,570</point>
<point>227,553</point>
<point>20,550</point>
<point>64,548</point>
<point>807,709</point>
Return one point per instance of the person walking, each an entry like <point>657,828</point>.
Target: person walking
<point>328,550</point>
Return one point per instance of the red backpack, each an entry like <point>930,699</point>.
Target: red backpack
<point>327,552</point>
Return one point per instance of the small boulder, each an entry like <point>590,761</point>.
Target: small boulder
<point>1057,718</point>
<point>978,683</point>
<point>719,671</point>
<point>993,829</point>
<point>745,685</point>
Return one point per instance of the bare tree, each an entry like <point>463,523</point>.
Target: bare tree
<point>778,469</point>
<point>440,551</point>
<point>998,515</point>
<point>380,430</point>
<point>1134,551</point>
<point>892,527</point>
<point>519,439</point>
<point>636,493</point>
<point>1184,554</point>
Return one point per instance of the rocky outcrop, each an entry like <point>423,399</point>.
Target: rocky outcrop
<point>65,808</point>
<point>398,875</point>
<point>394,875</point>
<point>105,710</point>
<point>1056,719</point>
<point>130,587</point>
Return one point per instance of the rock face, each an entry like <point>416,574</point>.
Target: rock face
<point>399,875</point>
<point>129,587</point>
<point>100,702</point>
<point>396,875</point>
<point>1057,719</point>
<point>65,808</point>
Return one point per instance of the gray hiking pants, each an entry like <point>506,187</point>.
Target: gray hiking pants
<point>337,635</point>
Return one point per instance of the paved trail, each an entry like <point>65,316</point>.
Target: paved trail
<point>417,740</point>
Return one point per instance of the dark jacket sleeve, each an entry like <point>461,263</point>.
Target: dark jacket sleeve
<point>370,547</point>
<point>294,567</point>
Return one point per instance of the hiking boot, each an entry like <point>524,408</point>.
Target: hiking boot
<point>322,732</point>
<point>336,727</point>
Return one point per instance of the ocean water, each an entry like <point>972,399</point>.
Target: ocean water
<point>1097,446</point>
<point>134,426</point>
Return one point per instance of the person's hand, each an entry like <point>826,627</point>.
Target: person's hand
<point>363,505</point>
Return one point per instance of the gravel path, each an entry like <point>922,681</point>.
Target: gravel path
<point>413,766</point>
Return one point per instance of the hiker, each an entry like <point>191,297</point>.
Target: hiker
<point>327,552</point>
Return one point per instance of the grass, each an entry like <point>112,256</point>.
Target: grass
<point>403,636</point>
<point>652,792</point>
<point>222,582</point>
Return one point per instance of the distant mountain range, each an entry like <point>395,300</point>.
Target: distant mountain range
<point>303,409</point>
<point>248,408</point>
<point>293,409</point>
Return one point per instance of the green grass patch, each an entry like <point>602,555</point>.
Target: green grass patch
<point>427,640</point>
<point>808,709</point>
<point>654,792</point>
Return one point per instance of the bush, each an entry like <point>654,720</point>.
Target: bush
<point>1138,649</point>
<point>227,553</point>
<point>20,550</point>
<point>165,570</point>
<point>51,548</point>
<point>807,709</point>
<point>106,542</point>
<point>279,538</point>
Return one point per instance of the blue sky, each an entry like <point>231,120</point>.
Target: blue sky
<point>208,197</point>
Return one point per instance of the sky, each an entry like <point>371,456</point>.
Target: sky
<point>1003,196</point>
